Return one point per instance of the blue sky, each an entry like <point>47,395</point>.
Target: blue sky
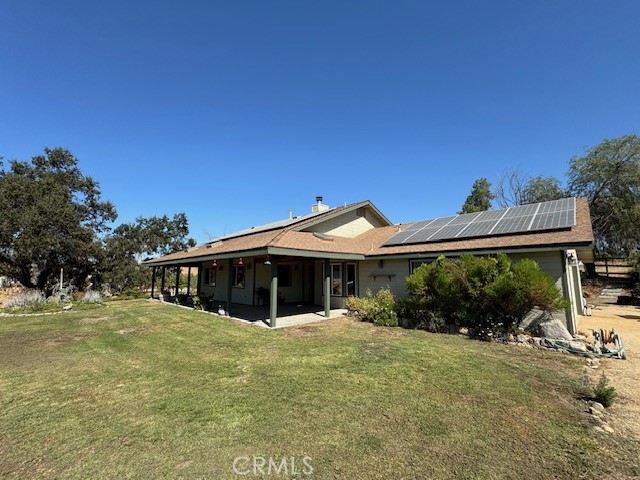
<point>235,112</point>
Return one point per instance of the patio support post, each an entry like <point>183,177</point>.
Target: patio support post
<point>162,282</point>
<point>273,304</point>
<point>177,280</point>
<point>327,287</point>
<point>199,277</point>
<point>229,283</point>
<point>153,280</point>
<point>188,280</point>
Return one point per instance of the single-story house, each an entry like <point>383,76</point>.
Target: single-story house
<point>325,256</point>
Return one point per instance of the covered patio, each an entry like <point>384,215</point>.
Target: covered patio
<point>253,278</point>
<point>288,315</point>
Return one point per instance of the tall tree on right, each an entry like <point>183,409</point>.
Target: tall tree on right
<point>609,176</point>
<point>480,197</point>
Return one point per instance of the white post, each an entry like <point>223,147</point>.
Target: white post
<point>61,275</point>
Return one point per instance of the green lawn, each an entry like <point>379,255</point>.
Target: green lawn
<point>136,389</point>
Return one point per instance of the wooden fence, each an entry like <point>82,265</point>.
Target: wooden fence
<point>614,268</point>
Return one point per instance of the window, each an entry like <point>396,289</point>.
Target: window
<point>238,276</point>
<point>351,279</point>
<point>210,276</point>
<point>336,279</point>
<point>413,264</point>
<point>284,275</point>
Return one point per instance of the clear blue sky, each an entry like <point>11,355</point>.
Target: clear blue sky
<point>234,112</point>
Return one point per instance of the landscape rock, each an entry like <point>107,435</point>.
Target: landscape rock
<point>607,428</point>
<point>597,420</point>
<point>578,346</point>
<point>523,338</point>
<point>533,319</point>
<point>554,329</point>
<point>67,307</point>
<point>598,429</point>
<point>597,406</point>
<point>593,363</point>
<point>595,412</point>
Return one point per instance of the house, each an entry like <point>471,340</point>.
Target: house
<point>325,256</point>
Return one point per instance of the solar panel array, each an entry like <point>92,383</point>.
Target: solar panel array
<point>553,215</point>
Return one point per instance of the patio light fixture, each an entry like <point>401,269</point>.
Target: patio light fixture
<point>267,261</point>
<point>240,262</point>
<point>215,263</point>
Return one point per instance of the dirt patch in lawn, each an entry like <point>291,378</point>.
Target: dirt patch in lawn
<point>68,339</point>
<point>624,375</point>
<point>93,321</point>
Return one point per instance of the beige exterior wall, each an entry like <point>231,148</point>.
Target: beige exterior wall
<point>350,224</point>
<point>390,274</point>
<point>243,296</point>
<point>393,272</point>
<point>292,293</point>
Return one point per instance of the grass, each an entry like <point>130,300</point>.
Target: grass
<point>135,389</point>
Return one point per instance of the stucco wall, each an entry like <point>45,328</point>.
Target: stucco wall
<point>350,224</point>
<point>392,273</point>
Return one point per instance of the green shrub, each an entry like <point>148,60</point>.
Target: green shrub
<point>181,298</point>
<point>378,308</point>
<point>413,314</point>
<point>91,296</point>
<point>485,294</point>
<point>604,393</point>
<point>30,301</point>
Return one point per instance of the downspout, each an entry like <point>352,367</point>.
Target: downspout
<point>567,288</point>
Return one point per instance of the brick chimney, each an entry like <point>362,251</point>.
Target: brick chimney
<point>319,206</point>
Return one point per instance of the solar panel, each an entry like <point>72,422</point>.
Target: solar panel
<point>556,214</point>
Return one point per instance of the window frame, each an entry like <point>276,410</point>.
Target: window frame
<point>340,284</point>
<point>237,271</point>
<point>354,281</point>
<point>208,273</point>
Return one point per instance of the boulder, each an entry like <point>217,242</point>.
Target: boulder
<point>554,329</point>
<point>597,406</point>
<point>533,319</point>
<point>580,346</point>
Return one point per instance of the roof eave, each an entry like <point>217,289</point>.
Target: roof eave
<point>483,251</point>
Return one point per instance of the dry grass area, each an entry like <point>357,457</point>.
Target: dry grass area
<point>624,375</point>
<point>8,292</point>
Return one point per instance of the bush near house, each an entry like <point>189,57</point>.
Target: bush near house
<point>485,294</point>
<point>378,308</point>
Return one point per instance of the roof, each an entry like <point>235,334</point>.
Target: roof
<point>581,234</point>
<point>277,235</point>
<point>289,239</point>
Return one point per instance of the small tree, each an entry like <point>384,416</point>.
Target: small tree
<point>542,189</point>
<point>131,243</point>
<point>485,294</point>
<point>480,197</point>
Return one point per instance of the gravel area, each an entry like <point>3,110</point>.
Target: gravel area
<point>624,375</point>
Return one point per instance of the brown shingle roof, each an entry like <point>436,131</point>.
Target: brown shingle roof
<point>580,234</point>
<point>370,243</point>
